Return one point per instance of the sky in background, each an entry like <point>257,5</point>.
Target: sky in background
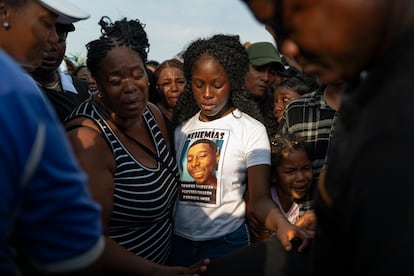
<point>170,24</point>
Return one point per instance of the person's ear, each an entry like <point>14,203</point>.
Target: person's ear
<point>4,15</point>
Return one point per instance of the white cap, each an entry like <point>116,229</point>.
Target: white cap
<point>66,11</point>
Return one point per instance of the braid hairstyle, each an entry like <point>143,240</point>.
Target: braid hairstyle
<point>229,53</point>
<point>128,33</point>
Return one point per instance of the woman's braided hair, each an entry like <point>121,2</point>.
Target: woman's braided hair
<point>128,33</point>
<point>230,53</point>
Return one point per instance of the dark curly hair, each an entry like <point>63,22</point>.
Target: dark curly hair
<point>286,144</point>
<point>128,33</point>
<point>301,84</point>
<point>230,53</point>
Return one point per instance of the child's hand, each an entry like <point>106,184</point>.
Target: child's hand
<point>308,221</point>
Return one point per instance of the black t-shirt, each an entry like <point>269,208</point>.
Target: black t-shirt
<point>364,208</point>
<point>65,102</point>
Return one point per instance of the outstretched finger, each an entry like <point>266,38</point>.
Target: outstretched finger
<point>198,267</point>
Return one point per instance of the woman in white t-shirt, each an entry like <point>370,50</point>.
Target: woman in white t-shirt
<point>210,219</point>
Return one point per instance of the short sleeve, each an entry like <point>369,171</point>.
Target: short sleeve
<point>257,145</point>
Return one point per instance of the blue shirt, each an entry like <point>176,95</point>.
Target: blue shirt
<point>47,215</point>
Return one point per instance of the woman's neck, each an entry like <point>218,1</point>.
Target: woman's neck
<point>121,123</point>
<point>223,112</point>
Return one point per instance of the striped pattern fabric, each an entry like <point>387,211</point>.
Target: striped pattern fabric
<point>143,197</point>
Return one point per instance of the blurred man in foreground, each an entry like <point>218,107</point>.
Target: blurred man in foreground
<point>369,43</point>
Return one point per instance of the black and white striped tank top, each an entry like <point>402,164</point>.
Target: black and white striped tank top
<point>143,197</point>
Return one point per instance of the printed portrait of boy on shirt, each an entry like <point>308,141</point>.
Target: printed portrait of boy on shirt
<point>199,164</point>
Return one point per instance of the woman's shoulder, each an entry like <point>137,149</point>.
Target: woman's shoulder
<point>82,127</point>
<point>85,109</point>
<point>155,111</point>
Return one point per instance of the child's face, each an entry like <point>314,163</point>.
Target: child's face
<point>282,97</point>
<point>294,175</point>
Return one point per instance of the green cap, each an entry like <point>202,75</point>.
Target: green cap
<point>262,53</point>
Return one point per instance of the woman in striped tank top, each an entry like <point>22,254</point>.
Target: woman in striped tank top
<point>121,142</point>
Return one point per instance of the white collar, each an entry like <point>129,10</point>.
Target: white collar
<point>67,82</point>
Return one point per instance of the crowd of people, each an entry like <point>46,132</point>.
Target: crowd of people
<point>229,158</point>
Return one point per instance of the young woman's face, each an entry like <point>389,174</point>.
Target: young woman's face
<point>211,86</point>
<point>123,82</point>
<point>294,175</point>
<point>170,85</point>
<point>282,97</point>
